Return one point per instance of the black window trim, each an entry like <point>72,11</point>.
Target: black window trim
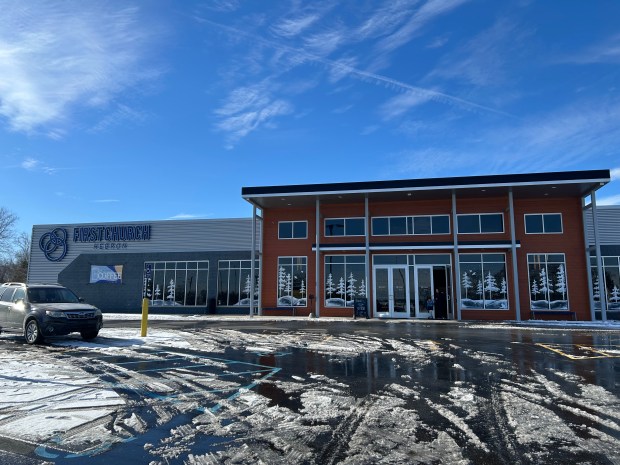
<point>413,233</point>
<point>293,229</point>
<point>344,225</point>
<point>542,215</point>
<point>480,215</point>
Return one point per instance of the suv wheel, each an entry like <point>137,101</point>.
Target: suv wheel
<point>32,333</point>
<point>89,335</point>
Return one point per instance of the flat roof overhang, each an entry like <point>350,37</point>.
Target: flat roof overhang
<point>531,185</point>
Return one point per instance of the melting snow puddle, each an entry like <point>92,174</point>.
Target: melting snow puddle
<point>225,396</point>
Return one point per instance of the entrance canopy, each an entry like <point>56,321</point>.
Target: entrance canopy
<point>531,185</point>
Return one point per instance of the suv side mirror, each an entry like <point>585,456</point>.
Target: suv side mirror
<point>80,299</point>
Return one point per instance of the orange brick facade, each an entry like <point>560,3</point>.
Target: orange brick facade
<point>570,243</point>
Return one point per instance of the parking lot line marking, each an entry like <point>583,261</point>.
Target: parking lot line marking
<point>602,353</point>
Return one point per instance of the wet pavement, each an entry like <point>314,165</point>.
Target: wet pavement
<point>309,392</point>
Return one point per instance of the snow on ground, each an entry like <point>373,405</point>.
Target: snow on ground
<point>426,408</point>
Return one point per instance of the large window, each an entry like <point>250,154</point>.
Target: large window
<point>292,281</point>
<point>345,227</point>
<point>345,279</point>
<point>410,225</point>
<point>481,223</point>
<point>483,281</point>
<point>611,286</point>
<point>234,283</point>
<point>176,283</point>
<point>547,281</point>
<point>543,223</point>
<point>292,230</point>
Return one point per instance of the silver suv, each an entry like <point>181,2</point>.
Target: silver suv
<point>41,310</point>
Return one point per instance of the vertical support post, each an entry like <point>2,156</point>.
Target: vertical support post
<point>599,263</point>
<point>145,317</point>
<point>588,261</point>
<point>317,277</point>
<point>260,262</point>
<point>457,265</point>
<point>252,261</point>
<point>367,243</point>
<point>317,285</point>
<point>513,248</point>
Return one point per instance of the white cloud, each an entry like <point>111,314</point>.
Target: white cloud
<point>325,43</point>
<point>612,200</point>
<point>31,164</point>
<point>293,27</point>
<point>106,201</point>
<point>607,51</point>
<point>385,20</point>
<point>615,174</point>
<point>56,56</point>
<point>249,108</point>
<point>483,60</point>
<point>426,13</point>
<point>188,216</point>
<point>122,113</point>
<point>438,42</point>
<point>427,163</point>
<point>400,104</point>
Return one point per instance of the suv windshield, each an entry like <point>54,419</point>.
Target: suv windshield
<point>51,295</point>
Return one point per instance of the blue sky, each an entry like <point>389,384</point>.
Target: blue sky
<point>121,110</point>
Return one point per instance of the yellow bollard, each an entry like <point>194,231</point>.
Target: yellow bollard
<point>145,316</point>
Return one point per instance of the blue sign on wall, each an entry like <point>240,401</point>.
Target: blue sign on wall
<point>54,244</point>
<point>106,274</point>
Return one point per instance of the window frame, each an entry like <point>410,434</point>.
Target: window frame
<point>542,215</point>
<point>292,259</point>
<point>202,267</point>
<point>546,266</point>
<point>410,225</point>
<point>292,222</point>
<point>345,264</point>
<point>482,262</point>
<point>344,220</point>
<point>480,215</point>
<point>241,284</point>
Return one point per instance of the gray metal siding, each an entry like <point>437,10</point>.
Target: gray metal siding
<point>608,225</point>
<point>213,235</point>
<point>127,296</point>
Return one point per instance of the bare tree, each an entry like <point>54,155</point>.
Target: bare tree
<point>7,231</point>
<point>21,257</point>
<point>14,249</point>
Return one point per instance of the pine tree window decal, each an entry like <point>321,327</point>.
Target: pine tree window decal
<point>345,279</point>
<point>483,281</point>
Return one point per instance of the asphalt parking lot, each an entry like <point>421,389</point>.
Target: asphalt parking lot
<point>309,392</point>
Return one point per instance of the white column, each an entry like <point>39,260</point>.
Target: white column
<point>457,266</point>
<point>317,286</point>
<point>367,267</point>
<point>513,247</point>
<point>599,263</point>
<point>588,266</point>
<point>252,258</point>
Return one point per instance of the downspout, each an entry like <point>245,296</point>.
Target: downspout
<point>457,265</point>
<point>513,246</point>
<point>599,262</point>
<point>588,261</point>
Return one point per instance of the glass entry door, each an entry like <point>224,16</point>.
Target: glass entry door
<point>424,290</point>
<point>391,291</point>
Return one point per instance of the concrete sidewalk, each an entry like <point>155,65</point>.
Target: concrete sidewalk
<point>555,324</point>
